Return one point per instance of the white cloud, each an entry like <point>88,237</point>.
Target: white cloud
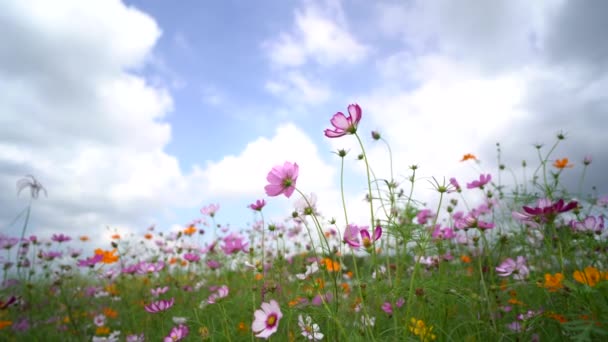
<point>320,35</point>
<point>295,87</point>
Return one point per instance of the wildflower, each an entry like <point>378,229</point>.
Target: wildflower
<point>376,135</point>
<point>159,290</point>
<point>282,180</point>
<point>110,313</point>
<point>344,125</point>
<point>468,156</point>
<point>213,264</point>
<point>190,230</point>
<point>387,307</point>
<point>266,320</point>
<point>4,324</point>
<point>210,210</point>
<point>562,163</point>
<point>159,306</point>
<point>455,184</point>
<point>258,205</point>
<point>553,282</point>
<point>368,321</point>
<point>83,238</point>
<point>100,320</point>
<point>192,257</point>
<point>108,257</point>
<point>351,236</point>
<point>545,211</point>
<point>310,270</point>
<point>307,205</point>
<point>424,215</point>
<point>179,320</point>
<point>590,224</point>
<point>60,238</point>
<point>148,236</point>
<point>222,292</point>
<point>234,243</point>
<point>420,329</point>
<point>113,337</point>
<point>518,268</point>
<point>483,180</point>
<point>309,329</point>
<point>33,184</point>
<point>177,333</point>
<point>587,160</point>
<point>90,261</point>
<point>135,338</point>
<point>331,265</point>
<point>590,276</point>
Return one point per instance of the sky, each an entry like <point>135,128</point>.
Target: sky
<point>140,112</point>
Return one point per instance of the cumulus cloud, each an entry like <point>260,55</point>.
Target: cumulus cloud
<point>77,117</point>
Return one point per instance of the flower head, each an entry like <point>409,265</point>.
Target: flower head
<point>516,267</point>
<point>258,205</point>
<point>282,179</point>
<point>309,329</point>
<point>468,156</point>
<point>210,210</point>
<point>590,276</point>
<point>344,125</point>
<point>60,238</point>
<point>266,320</point>
<point>159,306</point>
<point>483,180</point>
<point>177,333</point>
<point>352,234</point>
<point>562,163</point>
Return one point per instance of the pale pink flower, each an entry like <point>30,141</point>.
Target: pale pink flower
<point>517,268</point>
<point>159,306</point>
<point>266,320</point>
<point>344,125</point>
<point>177,333</point>
<point>282,180</point>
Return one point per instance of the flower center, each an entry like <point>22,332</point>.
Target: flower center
<point>271,320</point>
<point>367,242</point>
<point>287,182</point>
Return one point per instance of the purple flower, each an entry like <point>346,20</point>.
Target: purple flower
<point>545,211</point>
<point>387,307</point>
<point>282,180</point>
<point>483,180</point>
<point>258,205</point>
<point>424,215</point>
<point>590,224</point>
<point>455,184</point>
<point>90,261</point>
<point>160,305</point>
<point>60,238</point>
<point>159,290</point>
<point>517,268</point>
<point>213,264</point>
<point>191,257</point>
<point>344,125</point>
<point>352,234</point>
<point>177,333</point>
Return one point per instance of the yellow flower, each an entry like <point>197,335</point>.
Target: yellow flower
<point>420,329</point>
<point>590,276</point>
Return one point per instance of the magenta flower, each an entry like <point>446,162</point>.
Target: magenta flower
<point>388,308</point>
<point>352,234</point>
<point>344,125</point>
<point>545,211</point>
<point>60,238</point>
<point>234,243</point>
<point>483,180</point>
<point>282,180</point>
<point>213,264</point>
<point>159,290</point>
<point>191,257</point>
<point>424,215</point>
<point>159,306</point>
<point>517,268</point>
<point>455,184</point>
<point>177,333</point>
<point>91,261</point>
<point>258,205</point>
<point>266,320</point>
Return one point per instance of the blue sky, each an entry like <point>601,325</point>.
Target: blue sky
<point>132,113</point>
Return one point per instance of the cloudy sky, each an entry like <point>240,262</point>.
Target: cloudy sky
<point>139,112</point>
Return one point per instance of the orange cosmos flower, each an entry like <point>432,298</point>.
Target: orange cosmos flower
<point>84,238</point>
<point>148,236</point>
<point>553,282</point>
<point>4,324</point>
<point>116,237</point>
<point>465,259</point>
<point>468,156</point>
<point>108,256</point>
<point>562,163</point>
<point>110,313</point>
<point>590,276</point>
<point>190,230</point>
<point>330,265</point>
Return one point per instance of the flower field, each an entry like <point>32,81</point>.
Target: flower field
<point>526,261</point>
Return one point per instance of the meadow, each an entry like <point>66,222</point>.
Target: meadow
<point>525,261</point>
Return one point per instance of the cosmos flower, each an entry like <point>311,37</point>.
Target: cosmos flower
<point>160,305</point>
<point>282,180</point>
<point>309,329</point>
<point>266,320</point>
<point>344,125</point>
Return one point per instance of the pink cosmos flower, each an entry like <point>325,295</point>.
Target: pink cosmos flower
<point>159,290</point>
<point>192,257</point>
<point>222,292</point>
<point>545,211</point>
<point>177,333</point>
<point>344,125</point>
<point>258,205</point>
<point>234,243</point>
<point>516,267</point>
<point>282,180</point>
<point>590,224</point>
<point>210,210</point>
<point>60,238</point>
<point>352,233</point>
<point>483,180</point>
<point>266,320</point>
<point>159,306</point>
